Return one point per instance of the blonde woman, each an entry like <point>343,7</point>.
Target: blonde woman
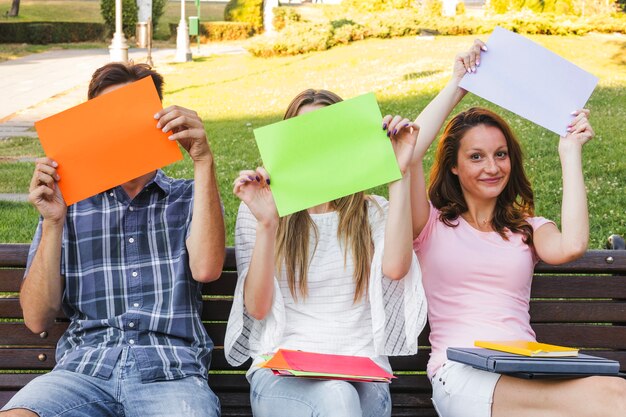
<point>337,278</point>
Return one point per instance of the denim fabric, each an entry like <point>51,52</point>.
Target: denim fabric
<point>277,396</point>
<point>72,394</point>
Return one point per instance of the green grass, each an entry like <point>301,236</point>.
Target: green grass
<point>235,94</point>
<point>19,221</point>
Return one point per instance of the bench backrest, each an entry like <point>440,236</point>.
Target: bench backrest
<point>580,304</point>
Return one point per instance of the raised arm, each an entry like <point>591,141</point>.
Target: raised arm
<point>252,187</point>
<point>206,240</point>
<point>42,288</point>
<point>398,237</point>
<point>430,121</point>
<point>554,246</point>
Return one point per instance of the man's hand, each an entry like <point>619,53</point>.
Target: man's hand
<point>44,191</point>
<point>187,128</point>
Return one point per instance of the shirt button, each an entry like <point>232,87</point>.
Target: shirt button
<point>111,194</point>
<point>131,324</point>
<point>131,341</point>
<point>135,304</point>
<point>131,208</point>
<point>134,273</point>
<point>131,240</point>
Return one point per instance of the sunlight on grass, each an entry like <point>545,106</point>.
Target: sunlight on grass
<point>235,94</point>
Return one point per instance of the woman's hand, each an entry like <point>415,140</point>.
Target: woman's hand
<point>253,188</point>
<point>579,131</point>
<point>44,191</point>
<point>467,62</point>
<point>403,135</point>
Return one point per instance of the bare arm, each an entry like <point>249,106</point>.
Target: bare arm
<point>554,246</point>
<point>430,120</point>
<point>42,288</point>
<point>252,187</point>
<point>206,241</point>
<point>398,250</point>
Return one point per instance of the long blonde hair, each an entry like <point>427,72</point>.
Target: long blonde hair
<point>354,231</point>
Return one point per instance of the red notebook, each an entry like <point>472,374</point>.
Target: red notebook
<point>335,366</point>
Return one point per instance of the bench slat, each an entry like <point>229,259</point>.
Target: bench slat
<point>582,335</point>
<point>595,261</point>
<point>603,286</point>
<point>578,312</point>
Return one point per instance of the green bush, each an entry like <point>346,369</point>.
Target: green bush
<point>129,16</point>
<point>431,7</point>
<point>303,37</point>
<point>460,8</point>
<point>158,7</point>
<point>284,16</point>
<point>41,33</point>
<point>225,31</point>
<point>376,5</point>
<point>247,11</point>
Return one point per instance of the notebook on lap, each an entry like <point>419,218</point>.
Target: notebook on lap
<point>533,367</point>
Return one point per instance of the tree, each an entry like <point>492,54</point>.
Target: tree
<point>15,8</point>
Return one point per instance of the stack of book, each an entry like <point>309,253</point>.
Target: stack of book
<point>529,359</point>
<point>296,363</point>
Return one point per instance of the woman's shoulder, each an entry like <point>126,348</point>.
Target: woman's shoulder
<point>537,221</point>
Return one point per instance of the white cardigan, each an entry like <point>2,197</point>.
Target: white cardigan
<point>398,308</point>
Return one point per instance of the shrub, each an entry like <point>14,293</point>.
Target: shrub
<point>431,7</point>
<point>129,16</point>
<point>376,5</point>
<point>40,33</point>
<point>460,8</point>
<point>305,37</point>
<point>225,31</point>
<point>158,7</point>
<point>284,16</point>
<point>247,11</point>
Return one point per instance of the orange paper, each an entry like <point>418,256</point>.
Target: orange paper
<point>107,141</point>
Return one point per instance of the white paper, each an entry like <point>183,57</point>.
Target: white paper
<point>529,80</point>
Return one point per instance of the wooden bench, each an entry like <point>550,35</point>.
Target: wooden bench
<point>580,304</point>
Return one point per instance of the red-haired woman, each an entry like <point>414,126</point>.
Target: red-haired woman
<point>477,239</point>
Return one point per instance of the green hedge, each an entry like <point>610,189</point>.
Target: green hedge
<point>220,31</point>
<point>41,33</point>
<point>129,16</point>
<point>302,37</point>
<point>245,11</point>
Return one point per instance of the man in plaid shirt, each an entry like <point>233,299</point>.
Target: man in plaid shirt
<point>126,267</point>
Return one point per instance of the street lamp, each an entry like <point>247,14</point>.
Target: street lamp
<point>118,50</point>
<point>183,52</point>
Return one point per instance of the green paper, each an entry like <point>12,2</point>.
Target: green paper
<point>327,154</point>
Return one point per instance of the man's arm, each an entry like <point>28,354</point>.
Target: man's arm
<point>42,288</point>
<point>206,241</point>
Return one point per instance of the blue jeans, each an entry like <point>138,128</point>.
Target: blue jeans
<point>71,394</point>
<point>278,396</point>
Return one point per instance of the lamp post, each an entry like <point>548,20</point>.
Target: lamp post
<point>183,52</point>
<point>118,50</point>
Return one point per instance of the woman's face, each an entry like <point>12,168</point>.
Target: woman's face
<point>483,164</point>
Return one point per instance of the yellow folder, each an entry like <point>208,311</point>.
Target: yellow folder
<point>527,348</point>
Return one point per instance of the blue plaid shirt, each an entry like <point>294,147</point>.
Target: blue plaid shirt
<point>128,283</point>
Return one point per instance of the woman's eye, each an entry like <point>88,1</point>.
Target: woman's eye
<point>475,157</point>
<point>501,154</point>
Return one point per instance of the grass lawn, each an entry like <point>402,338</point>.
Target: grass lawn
<point>235,94</point>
